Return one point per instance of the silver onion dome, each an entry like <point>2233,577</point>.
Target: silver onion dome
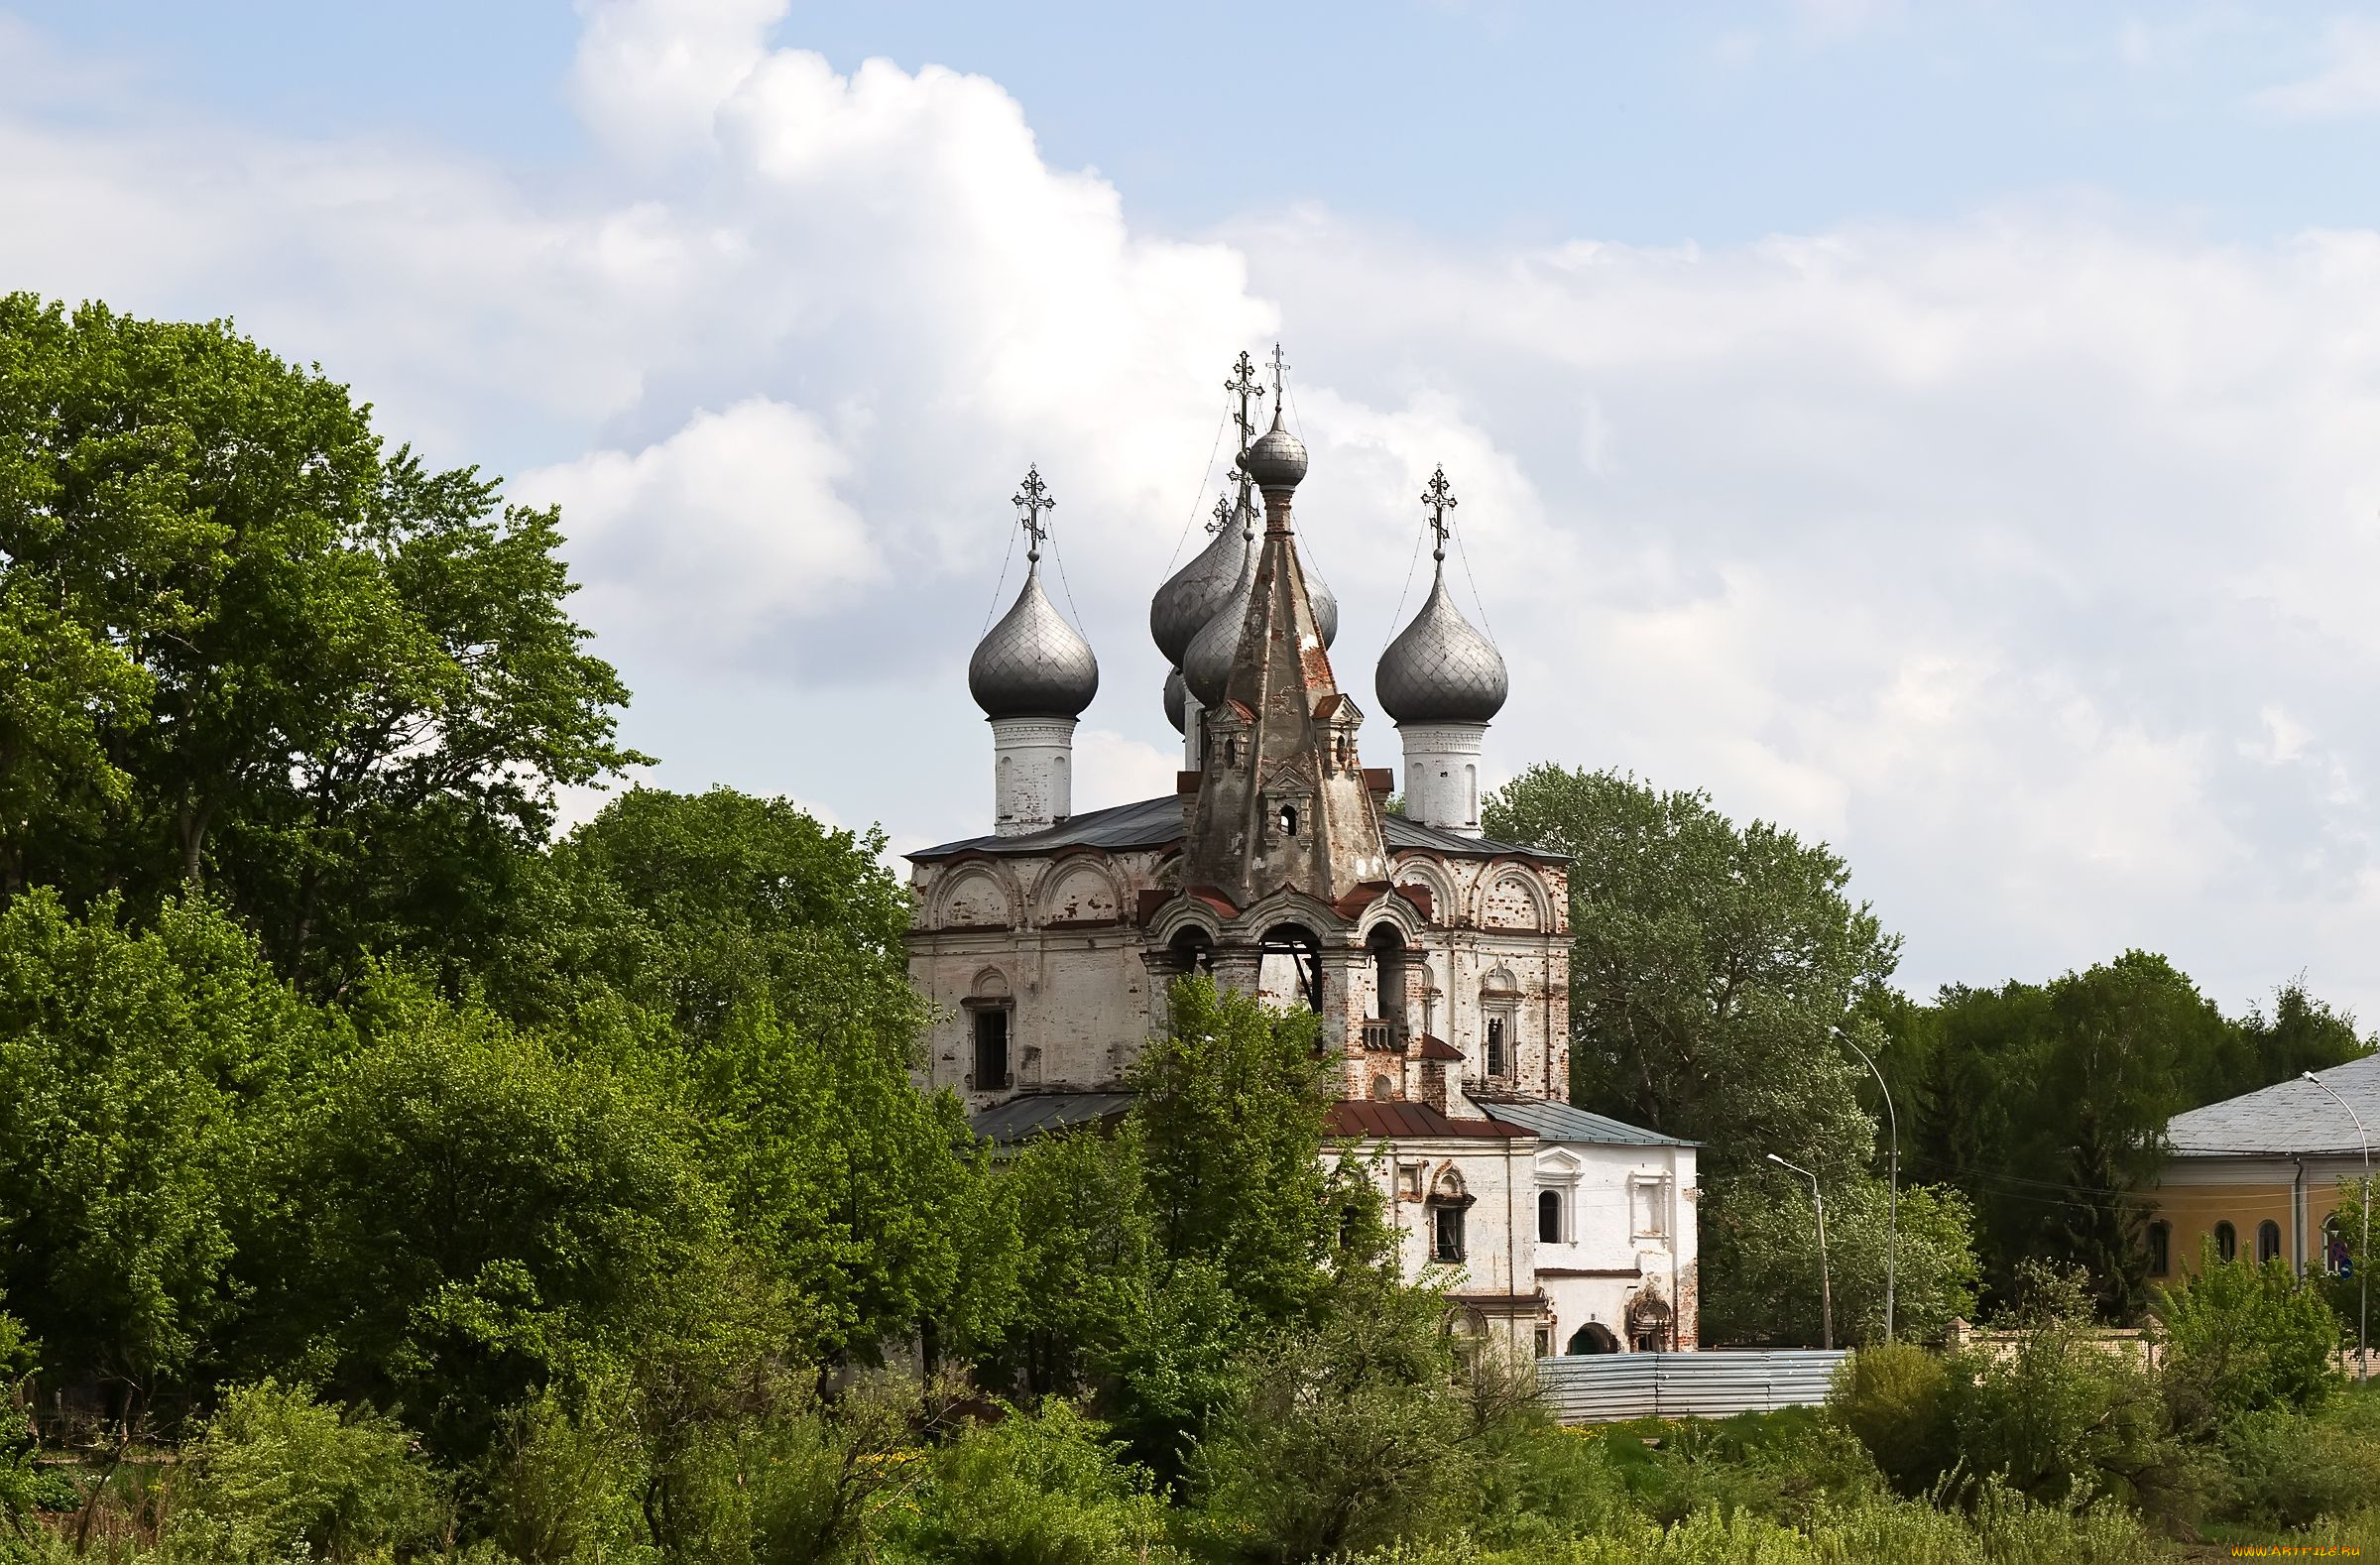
<point>1190,597</point>
<point>1278,460</point>
<point>1438,670</point>
<point>1033,663</point>
<point>1207,666</point>
<point>1177,701</point>
<point>1323,601</point>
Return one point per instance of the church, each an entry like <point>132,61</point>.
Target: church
<point>1437,960</point>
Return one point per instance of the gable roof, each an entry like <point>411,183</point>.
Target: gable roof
<point>1559,1122</point>
<point>1022,1118</point>
<point>2289,1118</point>
<point>1157,823</point>
<point>1404,1120</point>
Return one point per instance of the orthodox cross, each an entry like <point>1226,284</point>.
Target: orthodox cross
<point>1222,514</point>
<point>1031,500</point>
<point>1278,367</point>
<point>1439,498</point>
<point>1243,385</point>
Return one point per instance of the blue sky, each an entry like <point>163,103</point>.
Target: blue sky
<point>1947,430</point>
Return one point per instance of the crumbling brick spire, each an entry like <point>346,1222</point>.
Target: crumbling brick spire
<point>1282,798</point>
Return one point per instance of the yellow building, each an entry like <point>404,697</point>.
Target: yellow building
<point>2260,1173</point>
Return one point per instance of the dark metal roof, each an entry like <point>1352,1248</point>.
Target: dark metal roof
<point>1035,1114</point>
<point>1409,1121</point>
<point>1157,823</point>
<point>1151,823</point>
<point>2290,1117</point>
<point>1559,1122</point>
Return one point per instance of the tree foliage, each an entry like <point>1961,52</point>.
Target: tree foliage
<point>246,647</point>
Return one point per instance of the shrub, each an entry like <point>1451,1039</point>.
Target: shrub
<point>1891,1397</point>
<point>2065,1421</point>
<point>1041,1488</point>
<point>2290,1470</point>
<point>2241,1337</point>
<point>276,1473</point>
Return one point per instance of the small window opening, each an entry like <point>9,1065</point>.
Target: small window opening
<point>1289,820</point>
<point>1231,751</point>
<point>1498,1065</point>
<point>1446,1234</point>
<point>991,1049</point>
<point>2161,1248</point>
<point>1549,1217</point>
<point>2268,1240</point>
<point>2226,1241</point>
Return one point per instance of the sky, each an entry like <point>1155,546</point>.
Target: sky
<point>1952,432</point>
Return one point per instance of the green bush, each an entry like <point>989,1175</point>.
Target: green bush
<point>2290,1469</point>
<point>2063,1420</point>
<point>276,1473</point>
<point>2242,1338</point>
<point>1040,1489</point>
<point>1891,1397</point>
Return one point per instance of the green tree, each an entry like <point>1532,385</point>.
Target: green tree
<point>360,686</point>
<point>2243,1338</point>
<point>466,1213</point>
<point>144,1076</point>
<point>2048,1104</point>
<point>1763,1245</point>
<point>1709,963</point>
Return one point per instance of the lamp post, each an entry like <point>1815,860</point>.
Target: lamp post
<point>2364,1254</point>
<point>1826,1286</point>
<point>1892,1221</point>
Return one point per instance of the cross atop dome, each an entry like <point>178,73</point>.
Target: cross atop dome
<point>1031,498</point>
<point>1439,498</point>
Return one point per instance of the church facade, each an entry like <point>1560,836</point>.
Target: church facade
<point>1437,960</point>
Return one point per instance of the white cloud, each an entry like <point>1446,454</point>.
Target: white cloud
<point>703,543</point>
<point>2024,556</point>
<point>2347,86</point>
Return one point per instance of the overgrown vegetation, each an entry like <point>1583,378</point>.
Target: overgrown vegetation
<point>384,1178</point>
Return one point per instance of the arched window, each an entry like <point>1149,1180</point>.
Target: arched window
<point>2161,1248</point>
<point>989,1009</point>
<point>1289,820</point>
<point>1499,1061</point>
<point>2226,1241</point>
<point>1231,751</point>
<point>1446,1235</point>
<point>2268,1240</point>
<point>1549,1217</point>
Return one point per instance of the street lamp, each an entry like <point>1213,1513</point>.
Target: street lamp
<point>1892,1222</point>
<point>2363,1255</point>
<point>1826,1286</point>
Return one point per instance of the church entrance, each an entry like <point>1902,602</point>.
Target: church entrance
<point>1594,1337</point>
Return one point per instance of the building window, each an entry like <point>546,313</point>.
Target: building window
<point>2161,1248</point>
<point>1289,820</point>
<point>1499,1062</point>
<point>1648,1204</point>
<point>1545,1342</point>
<point>2226,1241</point>
<point>991,1049</point>
<point>1549,1217</point>
<point>2268,1240</point>
<point>1445,1233</point>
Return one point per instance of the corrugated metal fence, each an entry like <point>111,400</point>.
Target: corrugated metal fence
<point>1602,1387</point>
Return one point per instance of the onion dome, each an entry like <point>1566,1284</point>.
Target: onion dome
<point>1177,701</point>
<point>1278,458</point>
<point>1324,603</point>
<point>1207,666</point>
<point>1190,597</point>
<point>1033,663</point>
<point>1438,670</point>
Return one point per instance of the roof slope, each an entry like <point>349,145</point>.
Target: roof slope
<point>1158,822</point>
<point>1559,1122</point>
<point>2289,1118</point>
